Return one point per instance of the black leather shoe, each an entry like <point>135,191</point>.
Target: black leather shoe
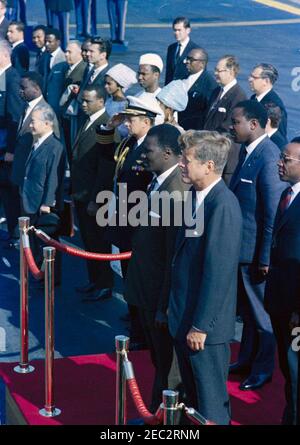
<point>98,295</point>
<point>255,382</point>
<point>237,368</point>
<point>86,289</point>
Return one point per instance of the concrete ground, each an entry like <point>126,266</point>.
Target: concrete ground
<point>249,29</point>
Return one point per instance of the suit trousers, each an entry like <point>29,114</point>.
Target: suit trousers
<point>204,376</point>
<point>160,343</point>
<point>60,20</point>
<point>289,365</point>
<point>258,343</point>
<point>117,10</point>
<point>99,272</point>
<point>10,197</point>
<point>83,17</point>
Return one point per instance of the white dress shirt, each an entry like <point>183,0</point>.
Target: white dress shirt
<point>262,95</point>
<point>251,147</point>
<point>228,87</point>
<point>93,117</point>
<point>295,191</point>
<point>189,82</point>
<point>41,140</point>
<point>33,103</point>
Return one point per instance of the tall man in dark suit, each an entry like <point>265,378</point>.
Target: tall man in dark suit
<point>282,299</point>
<point>11,109</point>
<point>55,69</point>
<point>204,274</point>
<point>31,92</point>
<point>177,52</point>
<point>20,53</point>
<point>90,173</point>
<point>272,127</point>
<point>261,81</point>
<point>256,184</point>
<point>147,284</point>
<point>200,85</point>
<point>3,20</point>
<point>221,104</point>
<point>38,39</point>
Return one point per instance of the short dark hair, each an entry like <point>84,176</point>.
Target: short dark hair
<point>39,27</point>
<point>231,62</point>
<point>34,78</point>
<point>268,72</point>
<point>19,25</point>
<point>4,2</point>
<point>204,54</point>
<point>274,114</point>
<point>295,140</point>
<point>100,91</point>
<point>254,110</point>
<point>103,44</point>
<point>185,21</point>
<point>167,137</point>
<point>53,32</point>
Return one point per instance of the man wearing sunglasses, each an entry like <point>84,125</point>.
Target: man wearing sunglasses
<point>282,298</point>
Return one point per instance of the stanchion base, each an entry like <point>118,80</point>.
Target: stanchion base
<point>55,412</point>
<point>26,370</point>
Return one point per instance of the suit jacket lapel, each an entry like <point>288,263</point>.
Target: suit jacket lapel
<point>282,219</point>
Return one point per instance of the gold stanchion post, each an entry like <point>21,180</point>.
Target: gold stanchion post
<point>23,367</point>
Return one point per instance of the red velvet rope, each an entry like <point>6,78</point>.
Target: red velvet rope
<point>82,253</point>
<point>35,271</point>
<point>149,419</point>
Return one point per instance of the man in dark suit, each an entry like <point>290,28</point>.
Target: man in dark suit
<point>177,52</point>
<point>31,92</point>
<point>38,39</point>
<point>147,284</point>
<point>90,174</point>
<point>11,109</point>
<point>261,81</point>
<point>204,274</point>
<point>42,189</point>
<point>60,17</point>
<point>13,10</point>
<point>3,20</point>
<point>200,85</point>
<point>117,11</point>
<point>221,104</point>
<point>55,69</point>
<point>68,102</point>
<point>283,282</point>
<point>256,184</point>
<point>20,53</point>
<point>272,127</point>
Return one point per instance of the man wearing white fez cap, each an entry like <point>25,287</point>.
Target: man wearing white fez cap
<point>150,69</point>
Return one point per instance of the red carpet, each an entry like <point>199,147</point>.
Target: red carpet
<point>85,392</point>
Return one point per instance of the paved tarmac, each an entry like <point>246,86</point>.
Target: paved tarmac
<point>253,32</point>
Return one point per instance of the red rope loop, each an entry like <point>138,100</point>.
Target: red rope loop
<point>81,253</point>
<point>149,419</point>
<point>35,271</point>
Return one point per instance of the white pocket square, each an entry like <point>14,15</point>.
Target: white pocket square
<point>153,214</point>
<point>248,181</point>
<point>222,110</point>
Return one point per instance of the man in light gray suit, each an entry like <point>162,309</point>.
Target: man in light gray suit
<point>55,71</point>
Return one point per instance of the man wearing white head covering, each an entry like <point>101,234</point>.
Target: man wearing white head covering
<point>150,69</point>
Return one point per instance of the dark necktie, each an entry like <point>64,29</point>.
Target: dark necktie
<point>216,101</point>
<point>177,53</point>
<point>152,186</point>
<point>285,200</point>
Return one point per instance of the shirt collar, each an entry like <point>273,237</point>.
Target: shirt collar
<point>262,95</point>
<point>201,194</point>
<point>96,115</point>
<point>141,140</point>
<point>72,67</point>
<point>17,43</point>
<point>43,138</point>
<point>228,86</point>
<point>4,69</point>
<point>184,44</point>
<point>161,178</point>
<point>54,54</point>
<point>271,132</point>
<point>251,147</point>
<point>100,68</point>
<point>34,102</point>
<point>296,188</point>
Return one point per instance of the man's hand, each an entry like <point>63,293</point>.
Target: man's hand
<point>161,320</point>
<point>8,157</point>
<point>92,208</point>
<point>263,270</point>
<point>195,340</point>
<point>115,121</point>
<point>294,321</point>
<point>45,209</point>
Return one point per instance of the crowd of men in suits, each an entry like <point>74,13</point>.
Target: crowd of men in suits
<point>230,152</point>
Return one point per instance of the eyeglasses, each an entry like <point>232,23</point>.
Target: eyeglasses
<point>284,158</point>
<point>255,77</point>
<point>220,71</point>
<point>191,59</point>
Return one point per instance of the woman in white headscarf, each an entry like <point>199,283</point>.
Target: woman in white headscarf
<point>173,98</point>
<point>118,79</point>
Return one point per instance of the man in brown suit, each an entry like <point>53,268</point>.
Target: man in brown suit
<point>90,173</point>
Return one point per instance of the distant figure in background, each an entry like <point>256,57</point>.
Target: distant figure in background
<point>60,17</point>
<point>177,52</point>
<point>20,54</point>
<point>39,39</point>
<point>83,17</point>
<point>117,10</point>
<point>13,10</point>
<point>3,20</point>
<point>94,18</point>
<point>48,15</point>
<point>272,128</point>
